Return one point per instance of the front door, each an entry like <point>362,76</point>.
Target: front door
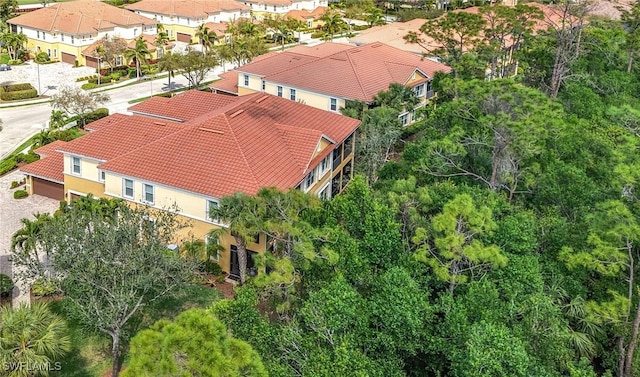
<point>234,266</point>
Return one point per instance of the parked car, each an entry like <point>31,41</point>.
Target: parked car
<point>5,67</point>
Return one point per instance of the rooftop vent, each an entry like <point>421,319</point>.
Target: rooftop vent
<point>159,123</point>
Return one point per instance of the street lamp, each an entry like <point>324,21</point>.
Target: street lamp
<point>38,65</point>
<point>99,73</point>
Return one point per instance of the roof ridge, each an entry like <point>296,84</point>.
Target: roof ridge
<point>241,149</point>
<point>353,69</point>
<point>303,131</point>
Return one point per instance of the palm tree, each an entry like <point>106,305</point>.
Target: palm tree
<point>375,17</point>
<point>239,213</point>
<point>207,37</point>
<point>333,22</point>
<point>13,42</point>
<point>161,38</point>
<point>31,336</point>
<point>139,53</point>
<point>26,241</point>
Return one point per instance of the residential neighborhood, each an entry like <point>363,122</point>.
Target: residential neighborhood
<point>319,188</point>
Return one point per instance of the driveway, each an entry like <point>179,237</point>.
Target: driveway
<point>14,210</point>
<point>49,78</point>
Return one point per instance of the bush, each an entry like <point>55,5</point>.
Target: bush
<point>97,114</point>
<point>19,194</point>
<point>66,135</point>
<point>15,184</point>
<point>7,165</point>
<point>164,94</point>
<point>6,284</point>
<point>27,157</point>
<point>23,94</point>
<point>42,57</point>
<point>212,268</point>
<point>17,87</point>
<point>43,287</point>
<point>131,72</point>
<point>317,34</point>
<point>89,85</point>
<point>15,62</point>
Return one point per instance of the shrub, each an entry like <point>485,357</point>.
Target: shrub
<point>16,87</point>
<point>89,85</point>
<point>15,184</point>
<point>19,194</point>
<point>15,62</point>
<point>212,268</point>
<point>27,157</point>
<point>42,57</point>
<point>66,135</point>
<point>7,165</point>
<point>97,114</point>
<point>17,95</point>
<point>317,34</point>
<point>42,287</point>
<point>131,72</point>
<point>164,94</point>
<point>6,284</point>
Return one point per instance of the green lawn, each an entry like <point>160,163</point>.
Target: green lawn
<point>90,354</point>
<point>4,58</point>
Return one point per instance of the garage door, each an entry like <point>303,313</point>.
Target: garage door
<point>47,188</point>
<point>68,58</point>
<point>183,37</point>
<point>91,61</point>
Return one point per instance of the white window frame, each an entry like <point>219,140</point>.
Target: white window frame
<point>208,239</point>
<point>124,188</point>
<point>310,179</point>
<point>293,95</point>
<point>279,91</point>
<point>325,164</point>
<point>75,159</point>
<point>333,104</point>
<point>325,193</point>
<point>404,119</point>
<point>145,193</point>
<point>208,210</point>
<point>246,80</point>
<point>101,175</point>
<point>264,85</point>
<point>419,90</point>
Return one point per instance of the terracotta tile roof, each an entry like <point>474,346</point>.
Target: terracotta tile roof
<point>149,41</point>
<point>120,137</point>
<point>392,34</point>
<point>50,166</point>
<point>183,107</point>
<point>271,2</point>
<point>228,83</point>
<point>319,12</point>
<point>106,121</point>
<point>258,140</point>
<point>357,73</point>
<point>321,50</point>
<point>299,14</point>
<point>187,8</point>
<point>80,17</point>
<point>219,28</point>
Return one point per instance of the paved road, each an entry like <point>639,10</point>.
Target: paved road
<point>22,122</point>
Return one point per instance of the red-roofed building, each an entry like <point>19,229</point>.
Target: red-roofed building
<point>327,75</point>
<point>195,148</point>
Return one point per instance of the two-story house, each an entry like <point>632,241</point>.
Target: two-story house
<point>325,76</point>
<point>195,148</point>
<point>64,30</point>
<point>181,18</point>
<point>261,8</point>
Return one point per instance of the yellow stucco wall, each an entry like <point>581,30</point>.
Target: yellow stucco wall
<point>79,186</point>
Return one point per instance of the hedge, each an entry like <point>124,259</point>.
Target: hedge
<point>16,87</point>
<point>22,94</point>
<point>96,114</point>
<point>7,165</point>
<point>27,157</point>
<point>6,284</point>
<point>20,194</point>
<point>89,85</point>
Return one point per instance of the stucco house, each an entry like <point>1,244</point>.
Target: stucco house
<point>64,30</point>
<point>325,76</point>
<point>195,148</point>
<point>181,18</point>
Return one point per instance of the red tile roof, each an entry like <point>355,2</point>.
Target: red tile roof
<point>187,8</point>
<point>185,106</point>
<point>51,164</point>
<point>353,73</point>
<point>80,17</point>
<point>257,140</point>
<point>228,83</point>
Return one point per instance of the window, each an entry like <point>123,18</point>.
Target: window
<point>101,176</point>
<point>292,94</point>
<point>55,52</point>
<point>49,52</point>
<point>264,85</point>
<point>75,165</point>
<point>127,188</point>
<point>279,91</point>
<point>404,119</point>
<point>148,193</point>
<point>62,36</point>
<point>246,80</point>
<point>324,164</point>
<point>274,8</point>
<point>118,60</point>
<point>38,34</point>
<point>212,205</point>
<point>72,39</point>
<point>160,52</point>
<point>310,180</point>
<point>333,106</point>
<point>419,90</point>
<point>212,250</point>
<point>324,194</point>
<point>44,35</point>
